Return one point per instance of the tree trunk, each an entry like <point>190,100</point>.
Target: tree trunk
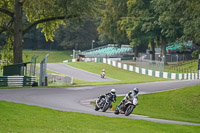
<point>163,51</point>
<point>163,48</point>
<point>17,51</point>
<point>152,50</point>
<point>136,52</point>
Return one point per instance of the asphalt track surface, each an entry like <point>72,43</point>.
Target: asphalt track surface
<point>76,73</point>
<point>76,99</point>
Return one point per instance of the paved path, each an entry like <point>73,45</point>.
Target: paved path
<point>76,73</point>
<point>76,99</point>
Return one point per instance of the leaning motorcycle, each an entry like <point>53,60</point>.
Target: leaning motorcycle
<point>104,104</point>
<point>126,108</point>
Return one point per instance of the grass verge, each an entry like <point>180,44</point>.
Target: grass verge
<point>24,118</point>
<point>124,76</point>
<point>181,104</point>
<point>182,67</point>
<point>54,56</point>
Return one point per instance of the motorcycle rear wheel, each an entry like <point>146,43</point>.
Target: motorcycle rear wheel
<point>129,110</point>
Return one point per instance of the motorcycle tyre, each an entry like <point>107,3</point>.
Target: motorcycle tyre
<point>105,107</point>
<point>116,111</point>
<point>96,108</point>
<point>129,110</point>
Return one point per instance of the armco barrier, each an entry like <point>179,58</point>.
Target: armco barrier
<point>17,80</point>
<point>179,76</point>
<point>54,78</point>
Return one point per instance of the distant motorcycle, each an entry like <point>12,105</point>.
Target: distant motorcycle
<point>102,74</point>
<point>126,108</point>
<point>104,104</point>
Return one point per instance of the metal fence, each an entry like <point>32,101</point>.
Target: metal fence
<point>17,80</point>
<point>54,79</point>
<point>178,57</point>
<point>43,75</point>
<point>149,64</point>
<point>33,65</point>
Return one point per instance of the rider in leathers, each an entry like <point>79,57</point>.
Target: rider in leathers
<point>130,96</point>
<point>112,96</point>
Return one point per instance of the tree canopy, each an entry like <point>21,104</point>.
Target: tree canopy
<point>44,14</point>
<point>138,22</point>
<point>157,21</point>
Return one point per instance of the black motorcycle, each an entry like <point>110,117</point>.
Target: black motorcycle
<point>103,104</point>
<point>126,108</point>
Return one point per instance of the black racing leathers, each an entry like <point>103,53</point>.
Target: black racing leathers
<point>112,97</point>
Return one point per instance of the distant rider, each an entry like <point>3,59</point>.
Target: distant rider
<point>112,95</point>
<point>103,72</point>
<point>131,95</point>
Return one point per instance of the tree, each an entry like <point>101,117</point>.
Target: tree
<point>44,14</point>
<point>78,37</point>
<point>179,19</point>
<point>114,10</point>
<point>139,24</point>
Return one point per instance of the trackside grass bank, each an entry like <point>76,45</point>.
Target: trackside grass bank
<point>28,119</point>
<point>181,104</point>
<point>54,56</point>
<point>123,76</point>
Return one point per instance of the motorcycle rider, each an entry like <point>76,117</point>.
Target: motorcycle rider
<point>112,95</point>
<point>130,96</point>
<point>103,72</point>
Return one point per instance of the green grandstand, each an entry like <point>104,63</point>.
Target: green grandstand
<point>176,47</point>
<point>107,51</point>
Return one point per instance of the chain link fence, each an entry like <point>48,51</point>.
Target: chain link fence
<point>150,64</point>
<point>32,66</point>
<point>43,75</point>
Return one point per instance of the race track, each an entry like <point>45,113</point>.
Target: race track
<point>76,99</point>
<point>76,73</point>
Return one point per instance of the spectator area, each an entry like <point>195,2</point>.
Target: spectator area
<point>176,47</point>
<point>107,51</point>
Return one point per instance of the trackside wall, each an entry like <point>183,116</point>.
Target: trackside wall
<point>179,76</point>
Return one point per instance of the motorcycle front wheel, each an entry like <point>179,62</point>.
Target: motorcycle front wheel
<point>96,108</point>
<point>105,107</point>
<point>116,111</point>
<point>129,110</point>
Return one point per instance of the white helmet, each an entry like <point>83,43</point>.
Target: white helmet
<point>113,91</point>
<point>136,90</point>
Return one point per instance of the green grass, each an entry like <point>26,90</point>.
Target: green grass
<point>181,104</point>
<point>124,76</point>
<point>183,67</point>
<point>20,118</point>
<point>54,56</point>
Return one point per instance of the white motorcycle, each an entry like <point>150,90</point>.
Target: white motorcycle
<point>126,108</point>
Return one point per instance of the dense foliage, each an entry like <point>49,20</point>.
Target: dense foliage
<point>17,17</point>
<point>140,23</point>
<point>153,22</point>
